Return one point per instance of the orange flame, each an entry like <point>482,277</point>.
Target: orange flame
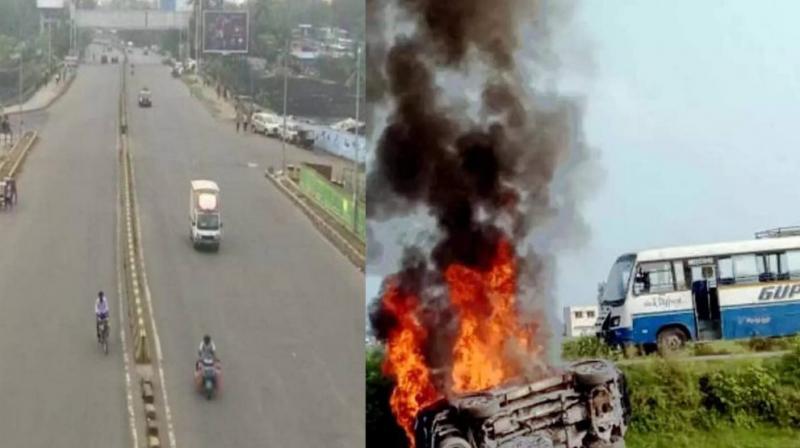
<point>489,335</point>
<point>488,324</point>
<point>405,362</point>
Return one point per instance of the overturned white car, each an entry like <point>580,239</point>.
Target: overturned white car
<point>584,406</point>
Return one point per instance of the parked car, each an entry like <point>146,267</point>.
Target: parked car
<point>305,137</point>
<point>104,59</point>
<point>291,132</point>
<point>114,59</point>
<point>266,123</point>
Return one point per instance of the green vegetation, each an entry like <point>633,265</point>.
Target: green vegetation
<point>21,35</point>
<point>588,347</point>
<point>591,347</point>
<point>271,24</point>
<point>740,402</point>
<point>381,427</point>
<point>725,436</point>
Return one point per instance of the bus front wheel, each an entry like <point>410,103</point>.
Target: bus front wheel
<point>671,340</point>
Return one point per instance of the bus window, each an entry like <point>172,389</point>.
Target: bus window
<point>725,271</point>
<point>783,267</point>
<point>745,268</point>
<point>680,281</point>
<point>656,278</point>
<point>793,264</point>
<point>767,267</point>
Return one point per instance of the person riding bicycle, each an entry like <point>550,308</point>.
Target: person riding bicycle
<point>101,311</point>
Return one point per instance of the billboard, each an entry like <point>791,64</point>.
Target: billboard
<point>50,4</point>
<point>225,32</point>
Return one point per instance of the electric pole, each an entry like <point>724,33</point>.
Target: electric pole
<point>357,143</point>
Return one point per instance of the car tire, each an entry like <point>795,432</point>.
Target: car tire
<point>593,372</point>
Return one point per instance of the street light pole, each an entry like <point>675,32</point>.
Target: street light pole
<point>199,26</point>
<point>357,144</point>
<point>198,3</point>
<point>49,47</point>
<point>19,93</point>
<point>285,95</point>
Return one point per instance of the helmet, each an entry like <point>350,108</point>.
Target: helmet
<point>207,339</point>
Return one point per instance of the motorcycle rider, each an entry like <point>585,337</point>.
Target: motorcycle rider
<point>207,348</point>
<point>101,311</point>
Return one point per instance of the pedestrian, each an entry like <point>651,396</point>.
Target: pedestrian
<point>238,119</point>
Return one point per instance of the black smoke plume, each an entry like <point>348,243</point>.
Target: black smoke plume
<point>467,138</point>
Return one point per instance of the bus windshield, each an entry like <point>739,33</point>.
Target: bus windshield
<point>617,283</point>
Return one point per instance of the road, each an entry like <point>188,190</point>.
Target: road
<point>57,388</point>
<point>283,305</point>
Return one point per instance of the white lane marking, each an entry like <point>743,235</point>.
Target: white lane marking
<point>123,343</point>
<point>156,339</point>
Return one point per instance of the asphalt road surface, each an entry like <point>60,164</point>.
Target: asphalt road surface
<point>284,307</point>
<point>57,389</point>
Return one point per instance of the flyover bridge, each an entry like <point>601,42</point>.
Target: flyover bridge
<point>131,19</point>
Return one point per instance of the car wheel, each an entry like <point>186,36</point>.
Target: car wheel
<point>593,372</point>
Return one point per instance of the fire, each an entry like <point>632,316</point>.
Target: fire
<point>488,334</point>
<point>405,362</point>
<point>488,324</point>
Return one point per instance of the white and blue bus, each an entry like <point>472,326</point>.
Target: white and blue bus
<point>729,290</point>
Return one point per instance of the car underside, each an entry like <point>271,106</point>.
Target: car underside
<point>584,406</point>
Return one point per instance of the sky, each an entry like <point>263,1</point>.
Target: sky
<point>694,109</point>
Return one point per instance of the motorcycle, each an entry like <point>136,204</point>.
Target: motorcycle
<point>207,376</point>
<point>104,330</point>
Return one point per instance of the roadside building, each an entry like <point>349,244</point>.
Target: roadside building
<point>579,320</point>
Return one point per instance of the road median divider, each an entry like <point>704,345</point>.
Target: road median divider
<point>12,163</point>
<point>139,313</point>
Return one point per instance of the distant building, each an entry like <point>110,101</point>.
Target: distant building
<point>579,320</point>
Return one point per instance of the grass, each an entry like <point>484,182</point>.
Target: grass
<point>722,437</point>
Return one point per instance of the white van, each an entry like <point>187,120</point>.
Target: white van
<point>205,214</point>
